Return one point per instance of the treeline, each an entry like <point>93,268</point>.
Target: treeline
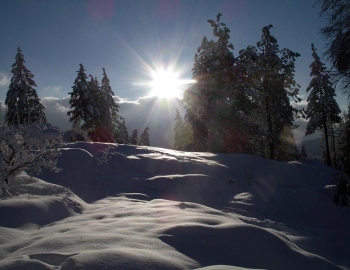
<point>94,114</point>
<point>243,103</point>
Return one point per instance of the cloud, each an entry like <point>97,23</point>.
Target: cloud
<point>4,80</point>
<point>300,105</point>
<point>120,100</point>
<point>56,112</point>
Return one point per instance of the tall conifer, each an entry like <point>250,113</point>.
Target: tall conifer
<point>322,108</point>
<point>79,98</point>
<point>270,83</point>
<point>23,104</point>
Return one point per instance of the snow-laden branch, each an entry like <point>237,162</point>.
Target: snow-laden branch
<point>27,148</point>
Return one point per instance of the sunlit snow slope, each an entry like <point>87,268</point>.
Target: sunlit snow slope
<point>154,208</point>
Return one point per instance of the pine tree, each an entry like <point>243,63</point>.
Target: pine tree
<point>109,110</point>
<point>182,133</point>
<point>95,121</point>
<point>84,104</point>
<point>178,131</point>
<point>79,99</point>
<point>94,105</point>
<point>322,107</point>
<point>269,80</point>
<point>343,144</point>
<point>212,104</point>
<point>23,104</point>
<point>144,137</point>
<point>95,110</point>
<point>134,138</point>
<point>123,135</point>
<point>337,33</point>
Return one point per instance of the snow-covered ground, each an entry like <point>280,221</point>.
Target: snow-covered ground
<point>154,208</point>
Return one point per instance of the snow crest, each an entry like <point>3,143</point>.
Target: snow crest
<point>154,208</point>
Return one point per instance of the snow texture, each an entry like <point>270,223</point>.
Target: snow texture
<point>154,208</point>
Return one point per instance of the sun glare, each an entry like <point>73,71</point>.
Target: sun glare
<point>166,83</point>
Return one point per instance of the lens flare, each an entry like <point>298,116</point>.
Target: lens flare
<point>167,84</point>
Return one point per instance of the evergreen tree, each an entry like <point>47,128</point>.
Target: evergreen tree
<point>322,107</point>
<point>94,105</point>
<point>134,138</point>
<point>337,33</point>
<point>144,137</point>
<point>109,110</point>
<point>343,144</point>
<point>80,99</point>
<point>95,123</point>
<point>212,104</point>
<point>269,80</point>
<point>178,131</point>
<point>23,104</point>
<point>123,135</point>
<point>182,133</point>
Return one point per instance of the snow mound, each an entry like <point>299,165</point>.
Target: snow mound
<point>153,208</point>
<point>242,245</point>
<point>37,202</point>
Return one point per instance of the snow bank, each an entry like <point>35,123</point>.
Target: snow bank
<point>153,208</point>
<point>34,201</point>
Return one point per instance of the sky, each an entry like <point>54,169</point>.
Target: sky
<point>134,39</point>
<point>156,208</point>
<point>131,39</point>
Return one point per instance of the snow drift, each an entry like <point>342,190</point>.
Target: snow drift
<point>154,208</point>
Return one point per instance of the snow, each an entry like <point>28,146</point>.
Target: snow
<point>154,208</point>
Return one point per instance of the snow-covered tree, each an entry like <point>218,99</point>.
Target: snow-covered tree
<point>322,107</point>
<point>134,137</point>
<point>343,144</point>
<point>270,82</point>
<point>107,92</point>
<point>23,104</point>
<point>182,133</point>
<point>109,122</point>
<point>94,106</point>
<point>178,130</point>
<point>98,124</point>
<point>123,135</point>
<point>212,104</point>
<point>144,138</point>
<point>27,148</point>
<point>337,33</point>
<point>79,99</point>
<point>84,102</point>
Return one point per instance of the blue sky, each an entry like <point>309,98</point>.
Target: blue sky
<point>130,38</point>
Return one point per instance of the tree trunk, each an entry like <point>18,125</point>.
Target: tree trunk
<point>326,137</point>
<point>270,130</point>
<point>334,149</point>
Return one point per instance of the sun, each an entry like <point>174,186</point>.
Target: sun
<point>166,83</point>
